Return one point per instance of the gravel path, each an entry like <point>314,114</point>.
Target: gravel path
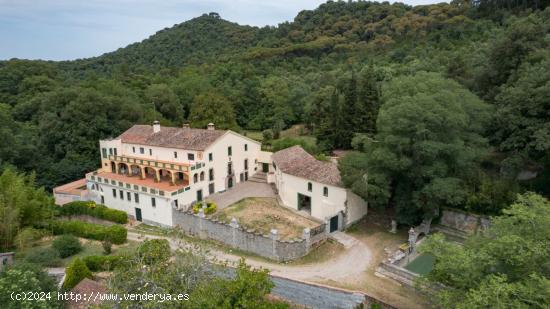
<point>298,282</point>
<point>348,265</point>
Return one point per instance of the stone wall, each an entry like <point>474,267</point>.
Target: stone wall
<point>232,234</point>
<point>397,273</point>
<point>463,221</point>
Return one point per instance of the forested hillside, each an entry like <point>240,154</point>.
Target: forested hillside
<point>444,104</point>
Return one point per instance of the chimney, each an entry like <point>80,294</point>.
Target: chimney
<point>211,126</point>
<point>185,125</point>
<point>156,126</point>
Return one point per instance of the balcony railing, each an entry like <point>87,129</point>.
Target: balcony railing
<point>180,167</point>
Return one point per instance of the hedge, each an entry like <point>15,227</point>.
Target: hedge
<point>116,234</point>
<point>102,262</point>
<point>75,272</point>
<point>90,208</point>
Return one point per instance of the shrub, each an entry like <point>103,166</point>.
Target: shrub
<point>48,257</point>
<point>267,135</point>
<point>28,236</point>
<point>26,277</point>
<point>90,208</point>
<point>115,233</point>
<point>154,250</point>
<point>102,262</point>
<point>76,271</point>
<point>67,245</point>
<point>210,207</point>
<point>107,247</point>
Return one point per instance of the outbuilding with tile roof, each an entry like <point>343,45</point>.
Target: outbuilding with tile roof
<point>314,187</point>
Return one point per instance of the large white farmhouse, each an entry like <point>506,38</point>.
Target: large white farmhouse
<point>148,171</point>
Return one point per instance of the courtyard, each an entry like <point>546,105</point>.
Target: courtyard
<point>263,214</point>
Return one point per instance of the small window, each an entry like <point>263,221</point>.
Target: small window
<point>150,151</point>
<point>134,149</point>
<point>141,150</point>
<point>245,147</point>
<point>102,200</point>
<point>121,193</point>
<point>104,152</point>
<point>110,151</point>
<point>325,191</point>
<point>191,156</point>
<point>153,202</point>
<point>274,166</point>
<point>175,154</point>
<point>136,198</point>
<point>246,164</point>
<point>115,151</point>
<point>114,192</point>
<point>210,157</point>
<point>195,178</point>
<point>211,174</point>
<point>128,196</point>
<point>202,176</point>
<point>309,186</point>
<point>176,203</point>
<point>229,151</point>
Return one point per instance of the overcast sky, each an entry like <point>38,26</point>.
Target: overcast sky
<point>71,29</point>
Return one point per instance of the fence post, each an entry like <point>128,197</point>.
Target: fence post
<point>307,237</point>
<point>274,237</point>
<point>235,225</point>
<point>202,224</point>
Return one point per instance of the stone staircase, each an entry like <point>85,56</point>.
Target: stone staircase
<point>451,233</point>
<point>258,177</point>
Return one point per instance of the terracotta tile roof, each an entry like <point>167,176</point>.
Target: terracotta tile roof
<point>297,162</point>
<point>87,286</point>
<point>74,188</point>
<point>171,137</point>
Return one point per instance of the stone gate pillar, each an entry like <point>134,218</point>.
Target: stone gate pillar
<point>202,224</point>
<point>307,237</point>
<point>412,240</point>
<point>274,237</point>
<point>235,225</point>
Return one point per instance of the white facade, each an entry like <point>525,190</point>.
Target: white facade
<point>326,201</point>
<point>130,199</point>
<point>230,159</point>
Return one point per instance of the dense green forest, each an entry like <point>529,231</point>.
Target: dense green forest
<point>443,105</point>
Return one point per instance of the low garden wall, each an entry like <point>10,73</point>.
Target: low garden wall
<point>269,246</point>
<point>397,273</point>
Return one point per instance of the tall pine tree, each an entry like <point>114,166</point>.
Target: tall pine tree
<point>368,101</point>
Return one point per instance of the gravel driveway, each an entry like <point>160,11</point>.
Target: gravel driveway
<point>240,191</point>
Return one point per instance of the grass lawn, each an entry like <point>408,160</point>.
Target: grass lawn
<point>297,131</point>
<point>150,229</point>
<point>255,135</point>
<point>264,214</point>
<point>89,247</point>
<point>422,264</point>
